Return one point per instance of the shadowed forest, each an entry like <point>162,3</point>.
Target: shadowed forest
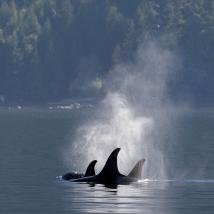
<point>56,49</point>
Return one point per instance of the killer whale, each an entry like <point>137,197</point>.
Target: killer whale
<point>110,174</point>
<point>89,172</point>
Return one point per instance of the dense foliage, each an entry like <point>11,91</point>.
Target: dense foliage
<point>52,49</point>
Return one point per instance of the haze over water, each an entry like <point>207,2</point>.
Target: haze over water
<point>100,75</point>
<point>31,158</point>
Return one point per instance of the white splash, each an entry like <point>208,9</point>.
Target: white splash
<point>134,115</point>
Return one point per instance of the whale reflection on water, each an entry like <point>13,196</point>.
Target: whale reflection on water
<point>145,196</point>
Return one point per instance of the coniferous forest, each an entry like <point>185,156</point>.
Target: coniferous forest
<point>52,49</point>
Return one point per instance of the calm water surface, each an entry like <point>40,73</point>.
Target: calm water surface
<point>30,160</point>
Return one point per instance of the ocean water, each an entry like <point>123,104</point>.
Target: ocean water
<point>31,143</point>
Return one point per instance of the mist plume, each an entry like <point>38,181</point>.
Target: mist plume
<point>135,115</point>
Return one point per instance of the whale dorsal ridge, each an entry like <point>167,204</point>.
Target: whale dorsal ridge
<point>110,169</point>
<point>90,169</point>
<point>136,172</point>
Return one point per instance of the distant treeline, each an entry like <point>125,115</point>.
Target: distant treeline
<point>53,49</point>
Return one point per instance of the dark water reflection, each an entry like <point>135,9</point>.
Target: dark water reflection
<point>30,160</point>
<point>146,197</point>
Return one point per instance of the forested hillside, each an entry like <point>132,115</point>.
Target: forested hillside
<point>54,49</point>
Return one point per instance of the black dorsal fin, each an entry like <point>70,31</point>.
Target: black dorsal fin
<point>90,169</point>
<point>110,169</point>
<point>136,172</point>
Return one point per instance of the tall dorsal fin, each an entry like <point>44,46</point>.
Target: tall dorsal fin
<point>136,172</point>
<point>90,169</point>
<point>110,169</point>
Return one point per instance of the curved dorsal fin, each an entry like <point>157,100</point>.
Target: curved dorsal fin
<point>110,169</point>
<point>90,169</point>
<point>136,172</point>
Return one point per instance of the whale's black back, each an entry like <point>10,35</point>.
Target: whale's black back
<point>90,171</point>
<point>110,170</point>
